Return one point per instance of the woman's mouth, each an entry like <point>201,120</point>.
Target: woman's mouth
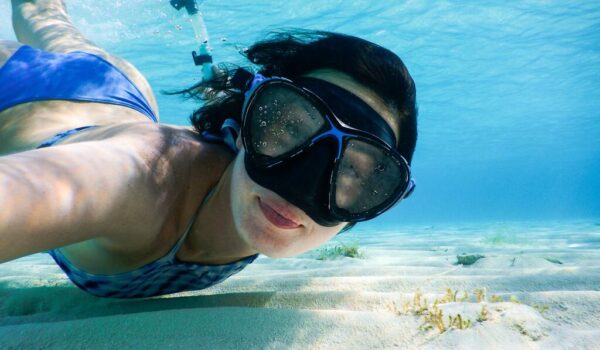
<point>275,218</point>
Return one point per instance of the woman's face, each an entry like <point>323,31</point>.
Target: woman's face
<point>247,196</point>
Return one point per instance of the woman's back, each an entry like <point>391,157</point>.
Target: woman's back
<point>59,92</point>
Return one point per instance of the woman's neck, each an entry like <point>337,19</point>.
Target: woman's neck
<point>213,238</point>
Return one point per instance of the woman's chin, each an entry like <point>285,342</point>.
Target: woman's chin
<point>270,246</point>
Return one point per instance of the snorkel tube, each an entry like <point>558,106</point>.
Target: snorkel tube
<point>203,57</point>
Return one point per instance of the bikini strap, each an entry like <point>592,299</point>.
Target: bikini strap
<point>54,139</point>
<point>231,130</point>
<point>177,245</point>
<point>229,133</point>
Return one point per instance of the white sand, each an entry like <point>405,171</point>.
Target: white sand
<point>305,303</point>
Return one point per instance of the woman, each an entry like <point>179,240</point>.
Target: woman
<point>131,208</point>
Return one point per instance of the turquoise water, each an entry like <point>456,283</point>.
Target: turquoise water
<point>508,93</point>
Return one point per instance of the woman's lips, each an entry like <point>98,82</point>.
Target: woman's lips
<point>275,218</point>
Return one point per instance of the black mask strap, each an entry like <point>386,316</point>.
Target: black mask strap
<point>241,79</point>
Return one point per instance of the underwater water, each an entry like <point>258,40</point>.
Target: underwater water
<point>507,198</point>
<point>508,92</point>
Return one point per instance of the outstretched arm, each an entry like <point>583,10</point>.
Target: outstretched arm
<point>62,195</point>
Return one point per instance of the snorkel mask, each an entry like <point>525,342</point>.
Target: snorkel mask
<point>321,148</point>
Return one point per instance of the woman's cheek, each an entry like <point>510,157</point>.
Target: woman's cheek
<point>241,193</point>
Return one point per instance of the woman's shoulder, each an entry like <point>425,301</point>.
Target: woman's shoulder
<point>166,152</point>
<point>163,137</point>
<point>187,139</point>
<point>179,144</point>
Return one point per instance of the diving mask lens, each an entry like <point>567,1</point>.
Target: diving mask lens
<point>367,177</point>
<point>281,121</point>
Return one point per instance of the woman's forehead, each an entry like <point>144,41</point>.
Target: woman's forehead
<point>346,82</point>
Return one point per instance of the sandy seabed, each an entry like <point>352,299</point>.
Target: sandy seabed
<point>541,284</point>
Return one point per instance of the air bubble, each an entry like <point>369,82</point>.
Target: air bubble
<point>263,124</point>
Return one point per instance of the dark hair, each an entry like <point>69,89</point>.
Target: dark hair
<point>293,53</point>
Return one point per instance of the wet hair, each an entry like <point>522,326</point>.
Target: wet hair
<point>296,52</point>
<point>293,53</point>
